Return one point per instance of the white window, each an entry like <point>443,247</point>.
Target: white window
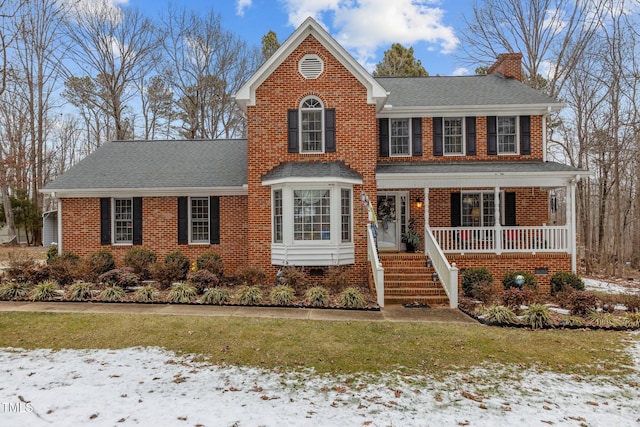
<point>478,209</point>
<point>311,215</point>
<point>345,214</point>
<point>400,137</point>
<point>453,135</point>
<point>277,216</point>
<point>311,125</point>
<point>123,221</point>
<point>199,218</point>
<point>507,133</point>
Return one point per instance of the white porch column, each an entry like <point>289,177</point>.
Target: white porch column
<point>571,223</point>
<point>59,227</point>
<point>496,218</point>
<point>426,218</point>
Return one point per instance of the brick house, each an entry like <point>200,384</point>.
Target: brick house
<point>337,165</point>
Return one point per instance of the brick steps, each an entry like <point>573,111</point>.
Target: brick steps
<point>408,280</point>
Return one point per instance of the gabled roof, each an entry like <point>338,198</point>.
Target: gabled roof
<point>485,95</point>
<point>246,95</point>
<point>173,167</point>
<point>311,172</point>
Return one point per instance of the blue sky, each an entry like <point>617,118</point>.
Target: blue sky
<point>366,28</point>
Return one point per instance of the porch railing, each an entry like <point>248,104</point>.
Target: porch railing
<point>502,239</point>
<point>376,266</point>
<point>448,274</point>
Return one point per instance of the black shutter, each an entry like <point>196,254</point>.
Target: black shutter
<point>105,221</point>
<point>292,128</point>
<point>330,130</point>
<point>416,136</point>
<point>437,137</point>
<point>525,135</point>
<point>492,136</point>
<point>214,220</point>
<point>383,137</point>
<point>456,220</point>
<point>183,220</point>
<point>510,209</point>
<point>471,135</point>
<point>137,220</point>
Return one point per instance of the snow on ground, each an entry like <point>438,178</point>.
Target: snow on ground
<point>611,286</point>
<point>153,387</point>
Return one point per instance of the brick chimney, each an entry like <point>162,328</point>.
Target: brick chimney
<point>509,65</point>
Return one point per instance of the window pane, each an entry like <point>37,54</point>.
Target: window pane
<point>507,135</point>
<point>277,216</point>
<point>399,139</point>
<point>200,219</point>
<point>311,131</point>
<point>452,132</point>
<point>311,215</point>
<point>345,213</point>
<point>471,210</point>
<point>123,220</point>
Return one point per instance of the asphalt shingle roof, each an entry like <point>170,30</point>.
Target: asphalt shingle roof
<point>159,164</point>
<point>311,170</point>
<point>460,91</point>
<point>475,167</point>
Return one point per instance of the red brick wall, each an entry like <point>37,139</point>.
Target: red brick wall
<point>81,229</point>
<point>356,143</point>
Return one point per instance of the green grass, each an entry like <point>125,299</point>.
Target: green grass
<point>328,347</point>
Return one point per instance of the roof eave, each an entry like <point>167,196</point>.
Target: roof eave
<point>470,110</point>
<point>146,192</point>
<point>312,180</point>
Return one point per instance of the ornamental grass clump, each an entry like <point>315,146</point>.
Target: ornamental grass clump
<point>80,291</point>
<point>44,291</point>
<point>182,293</point>
<point>537,316</point>
<point>317,296</point>
<point>603,319</point>
<point>352,298</point>
<point>14,290</point>
<point>216,296</point>
<point>500,314</point>
<point>282,295</point>
<point>146,293</point>
<point>631,320</point>
<point>573,321</point>
<point>112,293</point>
<point>250,295</point>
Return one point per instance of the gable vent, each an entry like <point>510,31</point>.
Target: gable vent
<point>311,66</point>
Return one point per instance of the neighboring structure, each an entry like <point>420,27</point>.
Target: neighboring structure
<point>462,158</point>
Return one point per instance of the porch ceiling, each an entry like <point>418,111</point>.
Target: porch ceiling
<point>476,174</point>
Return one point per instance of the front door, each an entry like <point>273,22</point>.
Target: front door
<point>392,219</point>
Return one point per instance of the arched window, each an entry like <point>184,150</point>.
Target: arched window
<point>311,125</point>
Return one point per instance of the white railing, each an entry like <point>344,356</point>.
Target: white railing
<point>502,239</point>
<point>376,266</point>
<point>448,274</point>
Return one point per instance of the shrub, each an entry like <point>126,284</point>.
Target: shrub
<point>44,291</point>
<point>513,298</point>
<point>631,320</point>
<point>166,274</point>
<point>352,298</point>
<point>35,274</point>
<point>112,293</point>
<point>178,262</point>
<point>509,280</point>
<point>336,278</point>
<point>211,261</point>
<point>81,291</point>
<point>500,314</point>
<point>52,253</point>
<point>122,277</point>
<point>294,277</point>
<point>101,262</point>
<point>146,293</point>
<point>564,281</point>
<point>140,260</point>
<point>317,296</point>
<point>472,277</point>
<point>14,289</point>
<point>203,279</point>
<point>631,302</point>
<point>182,293</point>
<point>65,268</point>
<point>608,302</point>
<point>603,320</point>
<point>582,302</point>
<point>282,295</point>
<point>216,296</point>
<point>250,276</point>
<point>250,295</point>
<point>537,316</point>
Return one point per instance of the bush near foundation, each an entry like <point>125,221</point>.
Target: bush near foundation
<point>565,281</point>
<point>141,261</point>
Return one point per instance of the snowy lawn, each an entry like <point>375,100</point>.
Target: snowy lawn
<point>151,386</point>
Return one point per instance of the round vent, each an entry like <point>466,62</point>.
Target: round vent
<point>311,66</point>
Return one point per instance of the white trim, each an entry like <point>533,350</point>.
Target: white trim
<point>190,218</point>
<point>517,135</point>
<point>321,110</point>
<point>470,110</point>
<point>59,227</point>
<point>410,142</point>
<point>149,192</point>
<point>113,222</point>
<point>464,137</point>
<point>472,180</point>
<point>292,180</point>
<point>544,137</point>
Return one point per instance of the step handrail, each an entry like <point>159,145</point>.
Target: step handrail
<point>447,273</point>
<point>376,265</point>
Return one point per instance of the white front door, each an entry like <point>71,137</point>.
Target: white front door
<point>392,213</point>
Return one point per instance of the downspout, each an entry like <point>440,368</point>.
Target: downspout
<point>59,224</point>
<point>544,134</point>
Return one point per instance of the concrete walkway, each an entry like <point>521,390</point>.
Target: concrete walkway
<point>392,313</point>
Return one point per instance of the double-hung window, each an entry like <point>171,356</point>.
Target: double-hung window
<point>452,134</point>
<point>199,218</point>
<point>507,135</point>
<point>123,221</point>
<point>478,209</point>
<point>312,214</point>
<point>400,137</point>
<point>311,125</point>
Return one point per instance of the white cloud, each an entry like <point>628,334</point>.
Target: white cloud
<point>461,71</point>
<point>241,6</point>
<point>367,25</point>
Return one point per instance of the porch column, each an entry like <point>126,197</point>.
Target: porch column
<point>496,220</point>
<point>426,218</point>
<point>571,223</point>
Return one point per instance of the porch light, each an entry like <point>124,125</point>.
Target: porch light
<point>419,202</point>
